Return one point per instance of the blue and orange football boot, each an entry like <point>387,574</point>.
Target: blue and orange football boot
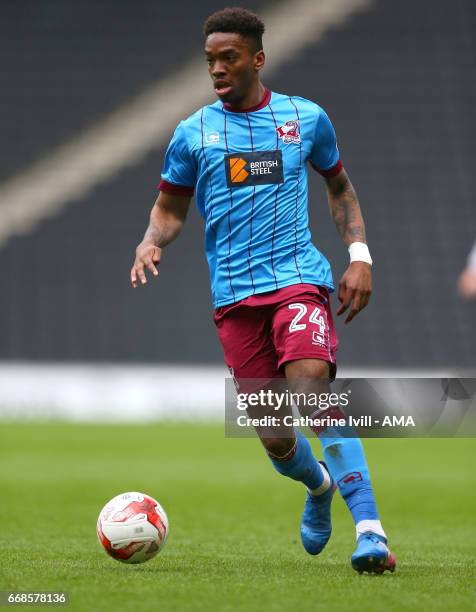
<point>316,526</point>
<point>372,555</point>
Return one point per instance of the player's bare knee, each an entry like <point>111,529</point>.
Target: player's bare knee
<point>311,369</point>
<point>278,447</point>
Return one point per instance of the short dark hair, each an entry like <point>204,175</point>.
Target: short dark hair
<point>236,20</point>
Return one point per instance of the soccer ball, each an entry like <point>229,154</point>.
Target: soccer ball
<point>132,527</point>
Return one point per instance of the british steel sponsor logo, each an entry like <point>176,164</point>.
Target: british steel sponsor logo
<point>254,168</point>
<point>289,132</point>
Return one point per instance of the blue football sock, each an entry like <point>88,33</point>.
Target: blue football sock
<point>346,462</point>
<point>302,466</point>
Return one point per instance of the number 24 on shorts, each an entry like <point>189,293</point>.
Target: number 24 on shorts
<point>315,318</point>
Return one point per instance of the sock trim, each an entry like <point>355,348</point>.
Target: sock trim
<point>326,483</point>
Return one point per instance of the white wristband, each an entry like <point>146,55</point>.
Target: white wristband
<point>359,251</point>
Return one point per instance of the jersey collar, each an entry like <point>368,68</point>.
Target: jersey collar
<point>264,102</point>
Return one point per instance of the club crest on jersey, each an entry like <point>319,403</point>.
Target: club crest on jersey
<point>289,132</point>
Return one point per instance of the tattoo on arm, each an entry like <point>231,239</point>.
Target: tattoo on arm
<point>345,210</point>
<point>166,221</point>
<point>160,236</point>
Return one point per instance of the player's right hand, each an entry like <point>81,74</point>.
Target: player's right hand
<point>147,256</point>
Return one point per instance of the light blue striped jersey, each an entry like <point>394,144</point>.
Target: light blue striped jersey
<point>249,173</point>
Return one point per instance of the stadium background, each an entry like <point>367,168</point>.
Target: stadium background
<point>78,343</point>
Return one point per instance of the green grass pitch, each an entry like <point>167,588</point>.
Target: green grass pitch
<point>234,541</point>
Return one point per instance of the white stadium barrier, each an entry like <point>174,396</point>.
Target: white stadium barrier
<point>93,392</point>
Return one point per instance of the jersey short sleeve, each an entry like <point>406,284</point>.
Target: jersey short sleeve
<point>325,156</point>
<point>179,174</point>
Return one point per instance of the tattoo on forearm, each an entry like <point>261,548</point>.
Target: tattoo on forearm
<point>161,236</point>
<point>347,215</point>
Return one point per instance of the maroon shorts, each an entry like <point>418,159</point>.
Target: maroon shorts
<point>262,332</point>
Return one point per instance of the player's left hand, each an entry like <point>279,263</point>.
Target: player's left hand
<point>355,289</point>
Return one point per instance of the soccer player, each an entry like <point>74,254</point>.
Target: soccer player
<point>246,159</point>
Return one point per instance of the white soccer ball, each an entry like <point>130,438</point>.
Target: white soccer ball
<point>132,527</point>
